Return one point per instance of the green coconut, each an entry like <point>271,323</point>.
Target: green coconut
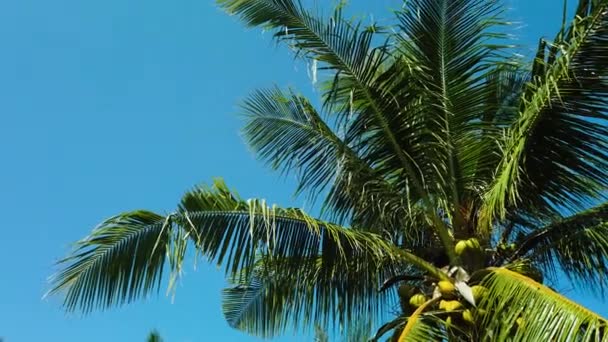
<point>479,292</point>
<point>460,248</point>
<point>446,288</point>
<point>467,316</point>
<point>473,244</point>
<point>450,305</point>
<point>417,300</point>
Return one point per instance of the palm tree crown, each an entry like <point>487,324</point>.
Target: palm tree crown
<point>455,180</point>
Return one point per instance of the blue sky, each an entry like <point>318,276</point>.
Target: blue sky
<point>108,106</point>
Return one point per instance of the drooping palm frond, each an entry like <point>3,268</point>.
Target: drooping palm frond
<point>555,155</point>
<point>518,308</point>
<point>121,261</point>
<point>231,230</point>
<point>270,301</point>
<point>123,258</point>
<point>577,244</point>
<point>338,270</point>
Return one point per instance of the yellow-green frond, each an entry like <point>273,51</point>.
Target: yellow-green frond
<point>421,328</point>
<point>521,309</point>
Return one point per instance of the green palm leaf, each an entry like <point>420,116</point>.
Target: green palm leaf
<point>122,260</point>
<point>520,309</point>
<point>453,43</point>
<point>287,132</point>
<point>338,270</point>
<point>232,231</point>
<point>345,50</point>
<point>421,328</point>
<point>271,300</point>
<point>342,48</point>
<point>555,154</point>
<point>577,244</point>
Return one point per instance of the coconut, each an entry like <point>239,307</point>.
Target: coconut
<point>478,292</point>
<point>460,247</point>
<point>473,244</point>
<point>446,288</point>
<point>467,315</point>
<point>417,300</point>
<point>450,305</point>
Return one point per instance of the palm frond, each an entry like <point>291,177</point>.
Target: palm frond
<point>421,328</point>
<point>505,85</point>
<point>372,114</point>
<point>249,306</point>
<point>320,335</point>
<point>357,333</point>
<point>453,43</point>
<point>395,326</point>
<point>272,300</point>
<point>287,132</point>
<point>555,154</point>
<point>339,269</point>
<point>337,43</point>
<point>342,48</point>
<point>519,309</point>
<point>121,261</point>
<point>577,244</point>
<point>231,230</point>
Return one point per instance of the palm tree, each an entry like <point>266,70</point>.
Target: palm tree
<point>457,183</point>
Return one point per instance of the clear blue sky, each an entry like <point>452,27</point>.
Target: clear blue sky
<point>115,105</point>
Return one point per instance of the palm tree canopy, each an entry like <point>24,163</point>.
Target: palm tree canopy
<point>456,181</point>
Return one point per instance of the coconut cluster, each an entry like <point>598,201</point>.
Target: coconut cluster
<point>449,304</point>
<point>470,253</point>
